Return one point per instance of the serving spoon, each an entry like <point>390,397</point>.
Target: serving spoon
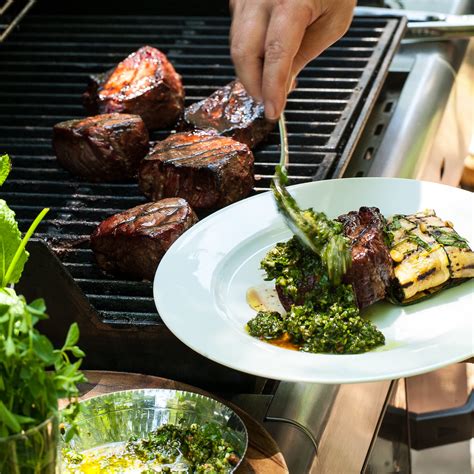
<point>313,229</point>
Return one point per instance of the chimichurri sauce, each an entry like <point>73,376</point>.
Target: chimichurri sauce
<point>322,317</point>
<point>169,448</point>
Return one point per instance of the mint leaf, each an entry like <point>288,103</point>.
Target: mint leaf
<point>10,240</point>
<point>43,348</point>
<point>5,167</point>
<point>9,347</point>
<point>37,307</point>
<point>76,352</point>
<point>8,418</point>
<point>72,335</point>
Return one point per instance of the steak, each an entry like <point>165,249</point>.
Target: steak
<point>133,242</point>
<point>101,148</point>
<point>371,271</point>
<point>207,170</point>
<point>144,83</point>
<point>232,112</point>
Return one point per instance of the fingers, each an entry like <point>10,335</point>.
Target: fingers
<point>272,40</point>
<point>325,31</point>
<point>284,36</point>
<point>248,31</point>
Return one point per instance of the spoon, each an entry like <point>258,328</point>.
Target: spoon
<point>314,230</point>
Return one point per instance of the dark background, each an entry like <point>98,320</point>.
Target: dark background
<point>134,7</point>
<point>143,7</point>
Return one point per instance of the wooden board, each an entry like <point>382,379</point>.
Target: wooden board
<point>263,455</point>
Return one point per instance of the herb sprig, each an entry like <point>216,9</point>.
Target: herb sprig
<point>33,374</point>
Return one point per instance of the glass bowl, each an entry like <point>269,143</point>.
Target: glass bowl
<point>33,451</point>
<point>116,417</point>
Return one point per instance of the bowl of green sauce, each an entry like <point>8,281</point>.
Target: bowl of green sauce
<point>155,430</point>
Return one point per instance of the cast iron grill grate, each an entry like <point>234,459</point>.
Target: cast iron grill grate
<point>45,66</point>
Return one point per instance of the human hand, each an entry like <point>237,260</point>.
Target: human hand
<point>272,40</point>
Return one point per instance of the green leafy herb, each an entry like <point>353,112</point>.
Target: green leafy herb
<point>449,238</point>
<point>5,167</point>
<point>10,241</point>
<point>416,240</point>
<point>33,374</point>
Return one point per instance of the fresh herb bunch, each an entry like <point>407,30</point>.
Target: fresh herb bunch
<point>33,374</point>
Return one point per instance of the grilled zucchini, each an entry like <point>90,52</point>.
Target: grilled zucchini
<point>428,255</point>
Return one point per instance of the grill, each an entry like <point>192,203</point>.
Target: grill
<point>45,66</point>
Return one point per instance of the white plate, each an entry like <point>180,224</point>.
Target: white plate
<point>201,283</point>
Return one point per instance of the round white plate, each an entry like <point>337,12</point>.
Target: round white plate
<point>201,284</point>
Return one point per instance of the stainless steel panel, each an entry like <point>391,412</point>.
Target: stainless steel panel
<point>408,139</point>
<point>336,422</point>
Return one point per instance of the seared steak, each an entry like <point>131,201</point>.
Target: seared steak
<point>133,242</point>
<point>101,148</point>
<point>371,270</point>
<point>231,112</point>
<point>207,170</point>
<point>144,83</point>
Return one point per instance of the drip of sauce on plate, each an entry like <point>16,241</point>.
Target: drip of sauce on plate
<point>284,342</point>
<point>255,300</point>
<point>264,298</point>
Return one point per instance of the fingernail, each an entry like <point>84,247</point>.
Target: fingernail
<point>270,111</point>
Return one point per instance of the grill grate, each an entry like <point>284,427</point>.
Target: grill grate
<point>45,66</point>
<point>11,13</point>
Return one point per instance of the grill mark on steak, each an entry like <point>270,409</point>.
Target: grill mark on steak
<point>133,242</point>
<point>232,112</point>
<point>202,158</point>
<point>206,169</point>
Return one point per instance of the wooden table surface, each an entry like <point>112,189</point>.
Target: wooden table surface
<point>263,455</point>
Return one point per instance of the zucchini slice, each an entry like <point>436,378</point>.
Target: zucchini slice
<point>428,255</point>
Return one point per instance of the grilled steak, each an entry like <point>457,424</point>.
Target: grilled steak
<point>133,242</point>
<point>231,112</point>
<point>207,170</point>
<point>144,83</point>
<point>101,148</point>
<point>371,271</point>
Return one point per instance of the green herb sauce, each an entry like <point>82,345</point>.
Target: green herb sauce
<point>325,317</point>
<point>323,235</point>
<point>199,449</point>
